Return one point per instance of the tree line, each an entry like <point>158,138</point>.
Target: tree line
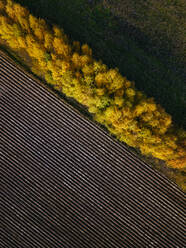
<point>112,99</point>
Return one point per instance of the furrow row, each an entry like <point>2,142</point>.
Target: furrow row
<point>65,107</point>
<point>124,161</point>
<point>101,171</point>
<point>67,183</point>
<point>79,182</point>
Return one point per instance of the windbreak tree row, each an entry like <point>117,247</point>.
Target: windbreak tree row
<point>113,100</point>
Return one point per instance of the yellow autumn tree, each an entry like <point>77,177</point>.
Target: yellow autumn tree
<point>2,6</point>
<point>48,40</point>
<point>111,98</point>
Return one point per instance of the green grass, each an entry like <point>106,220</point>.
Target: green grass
<point>162,21</point>
<point>116,44</point>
